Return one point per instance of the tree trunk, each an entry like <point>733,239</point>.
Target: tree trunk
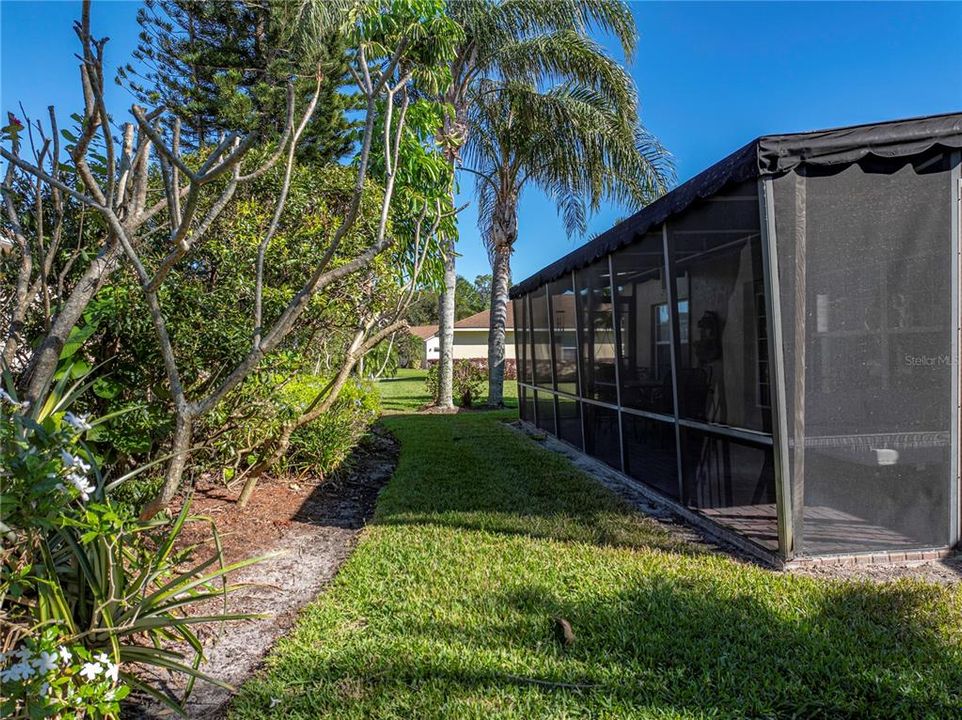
<point>445,398</point>
<point>500,281</point>
<point>454,134</point>
<point>43,365</point>
<point>504,232</point>
<point>183,435</point>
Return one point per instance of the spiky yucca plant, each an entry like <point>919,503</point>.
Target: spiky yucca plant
<point>87,590</point>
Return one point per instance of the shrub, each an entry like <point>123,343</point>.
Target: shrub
<point>85,587</point>
<point>467,381</point>
<point>208,303</point>
<point>321,446</point>
<point>510,366</point>
<point>269,401</point>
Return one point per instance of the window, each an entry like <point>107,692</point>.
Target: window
<point>541,337</point>
<point>662,334</point>
<point>522,341</point>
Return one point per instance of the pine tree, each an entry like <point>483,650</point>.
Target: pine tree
<point>218,65</point>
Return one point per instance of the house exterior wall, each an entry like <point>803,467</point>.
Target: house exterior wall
<point>472,344</point>
<point>432,349</point>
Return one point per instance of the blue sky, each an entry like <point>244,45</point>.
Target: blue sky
<point>711,77</point>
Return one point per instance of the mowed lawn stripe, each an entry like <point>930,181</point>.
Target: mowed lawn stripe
<point>482,538</point>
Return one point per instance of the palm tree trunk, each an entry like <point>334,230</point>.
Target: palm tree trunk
<point>445,398</point>
<point>504,232</point>
<point>500,280</point>
<point>454,133</point>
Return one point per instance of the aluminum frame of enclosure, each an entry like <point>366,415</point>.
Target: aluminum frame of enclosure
<point>679,423</point>
<point>783,490</point>
<point>774,438</point>
<point>955,511</point>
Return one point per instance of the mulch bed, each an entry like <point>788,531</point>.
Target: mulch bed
<point>314,525</point>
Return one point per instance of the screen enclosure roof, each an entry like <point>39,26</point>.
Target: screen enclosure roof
<point>767,155</point>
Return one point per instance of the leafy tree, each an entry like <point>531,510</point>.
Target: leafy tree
<point>579,141</point>
<point>399,51</point>
<point>471,298</point>
<point>424,309</point>
<point>222,66</point>
<point>482,283</point>
<point>214,292</point>
<point>527,42</point>
<point>468,300</point>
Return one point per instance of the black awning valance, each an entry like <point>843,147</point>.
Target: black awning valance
<point>767,155</point>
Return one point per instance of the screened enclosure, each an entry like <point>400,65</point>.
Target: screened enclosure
<point>773,344</point>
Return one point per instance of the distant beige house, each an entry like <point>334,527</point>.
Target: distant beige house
<point>470,338</point>
<point>428,334</point>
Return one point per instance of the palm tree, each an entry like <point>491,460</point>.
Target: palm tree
<point>579,141</point>
<point>525,42</point>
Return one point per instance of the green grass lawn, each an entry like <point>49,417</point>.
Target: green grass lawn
<point>406,392</point>
<point>482,537</point>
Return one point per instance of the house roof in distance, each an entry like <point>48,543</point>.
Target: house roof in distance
<point>423,331</point>
<point>767,155</point>
<point>482,321</point>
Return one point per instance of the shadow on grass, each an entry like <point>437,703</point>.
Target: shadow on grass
<point>471,472</point>
<point>432,623</point>
<point>667,646</point>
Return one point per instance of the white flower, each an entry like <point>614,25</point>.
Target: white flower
<point>77,422</point>
<point>274,702</point>
<point>109,695</point>
<point>44,689</point>
<point>6,397</point>
<point>20,671</point>
<point>65,655</point>
<point>91,670</point>
<point>82,484</point>
<point>74,461</point>
<point>110,670</point>
<point>23,652</point>
<point>45,662</point>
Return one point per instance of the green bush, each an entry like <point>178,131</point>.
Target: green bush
<point>207,303</point>
<point>467,382</point>
<point>272,401</point>
<point>323,445</point>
